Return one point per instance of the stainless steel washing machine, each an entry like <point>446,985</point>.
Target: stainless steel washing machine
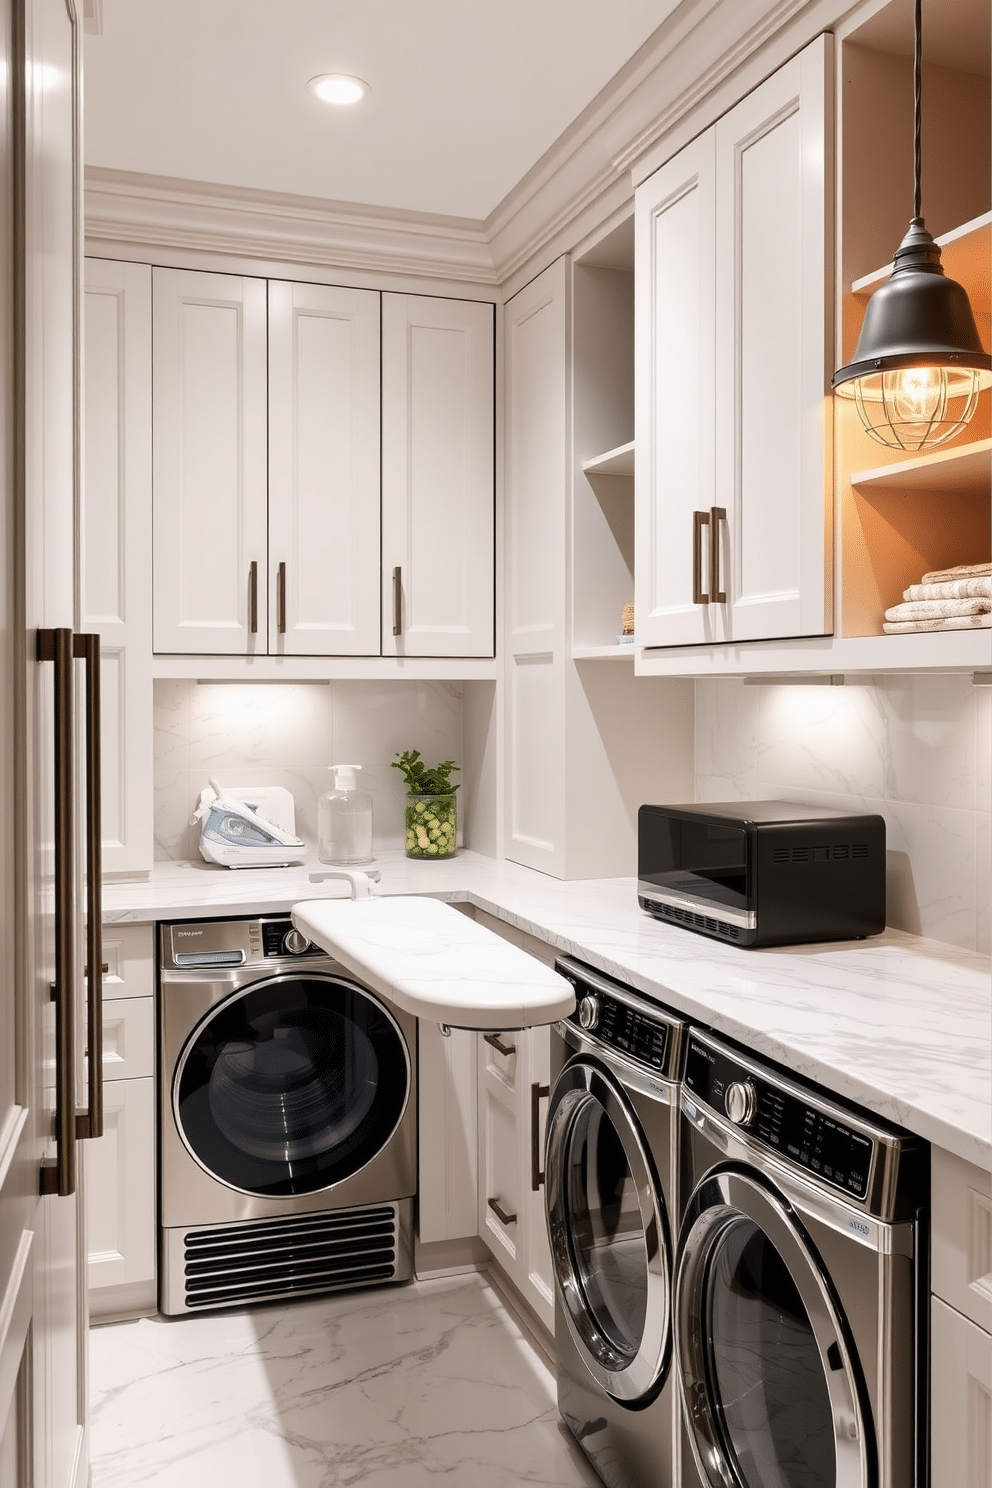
<point>287,1119</point>
<point>610,1195</point>
<point>800,1284</point>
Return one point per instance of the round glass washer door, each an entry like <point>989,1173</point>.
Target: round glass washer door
<point>291,1085</point>
<point>609,1234</point>
<point>771,1388</point>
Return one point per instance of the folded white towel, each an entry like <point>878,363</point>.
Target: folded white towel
<point>938,609</point>
<point>952,622</point>
<point>963,571</point>
<point>951,589</point>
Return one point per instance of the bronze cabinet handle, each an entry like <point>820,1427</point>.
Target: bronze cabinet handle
<point>718,514</point>
<point>60,1177</point>
<point>89,1123</point>
<point>253,597</point>
<point>700,519</point>
<point>505,1049</point>
<point>281,598</point>
<point>537,1094</point>
<point>500,1212</point>
<point>397,601</point>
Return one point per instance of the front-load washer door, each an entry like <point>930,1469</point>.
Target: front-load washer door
<point>772,1391</point>
<point>609,1233</point>
<point>291,1085</point>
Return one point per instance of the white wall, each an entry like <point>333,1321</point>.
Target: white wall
<point>916,749</point>
<point>285,734</point>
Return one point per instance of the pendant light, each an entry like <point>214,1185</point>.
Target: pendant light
<point>919,364</point>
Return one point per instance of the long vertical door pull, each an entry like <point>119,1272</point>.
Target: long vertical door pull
<point>700,519</point>
<point>718,514</point>
<point>60,1177</point>
<point>89,1123</point>
<point>538,1092</point>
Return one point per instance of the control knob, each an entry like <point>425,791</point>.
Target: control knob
<point>741,1102</point>
<point>295,942</point>
<point>589,1011</point>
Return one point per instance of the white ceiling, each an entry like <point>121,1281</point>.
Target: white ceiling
<point>466,94</point>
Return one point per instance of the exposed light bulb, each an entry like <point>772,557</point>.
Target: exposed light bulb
<point>914,408</point>
<point>338,87</point>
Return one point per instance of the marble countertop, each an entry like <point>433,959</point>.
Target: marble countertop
<point>901,1025</point>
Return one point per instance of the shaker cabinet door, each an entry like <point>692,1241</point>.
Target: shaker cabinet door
<point>324,564</point>
<point>209,498</point>
<point>115,542</point>
<point>675,230</point>
<point>732,279</point>
<point>438,509</point>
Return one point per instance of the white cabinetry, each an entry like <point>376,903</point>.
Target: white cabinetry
<point>323,471</point>
<point>575,770</point>
<point>270,424</point>
<point>732,281</point>
<point>447,1176</point>
<point>961,1325</point>
<point>437,477</point>
<point>120,1166</point>
<point>514,1071</point>
<point>115,547</point>
<point>210,452</point>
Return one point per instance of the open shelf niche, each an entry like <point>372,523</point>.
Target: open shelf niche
<point>901,516</point>
<point>603,455</point>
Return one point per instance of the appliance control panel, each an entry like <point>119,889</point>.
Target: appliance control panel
<point>201,944</point>
<point>281,938</point>
<point>811,1133</point>
<point>619,1019</point>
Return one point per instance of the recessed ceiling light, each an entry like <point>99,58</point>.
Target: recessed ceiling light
<point>338,87</point>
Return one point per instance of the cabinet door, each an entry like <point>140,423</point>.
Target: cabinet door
<point>120,1191</point>
<point>116,546</point>
<point>773,311</point>
<point>209,500</point>
<point>437,477</point>
<point>675,238</point>
<point>324,562</point>
<point>960,1401</point>
<point>447,1180</point>
<point>537,466</point>
<point>538,1283</point>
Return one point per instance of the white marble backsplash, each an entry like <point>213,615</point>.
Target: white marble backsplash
<point>287,734</point>
<point>915,749</point>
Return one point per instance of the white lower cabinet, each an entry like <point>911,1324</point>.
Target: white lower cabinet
<point>960,1401</point>
<point>961,1324</point>
<point>120,1166</point>
<point>447,1176</point>
<point>514,1069</point>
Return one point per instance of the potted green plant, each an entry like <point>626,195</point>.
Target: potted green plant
<point>431,815</point>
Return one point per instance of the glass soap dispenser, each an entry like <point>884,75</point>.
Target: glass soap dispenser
<point>344,820</point>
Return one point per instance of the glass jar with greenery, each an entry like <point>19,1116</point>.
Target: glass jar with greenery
<point>431,817</point>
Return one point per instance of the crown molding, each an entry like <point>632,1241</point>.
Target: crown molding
<point>699,48</point>
<point>126,207</point>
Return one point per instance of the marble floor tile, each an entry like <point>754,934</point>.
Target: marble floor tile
<point>391,1388</point>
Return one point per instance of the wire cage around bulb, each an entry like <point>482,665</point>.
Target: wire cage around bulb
<point>917,407</point>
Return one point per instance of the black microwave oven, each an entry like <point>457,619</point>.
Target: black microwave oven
<point>762,873</point>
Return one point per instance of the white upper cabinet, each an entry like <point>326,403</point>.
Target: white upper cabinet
<point>306,500</point>
<point>438,540</point>
<point>733,256</point>
<point>210,451</point>
<point>323,471</point>
<point>115,543</point>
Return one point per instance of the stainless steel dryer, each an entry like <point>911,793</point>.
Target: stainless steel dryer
<point>287,1119</point>
<point>610,1177</point>
<point>800,1284</point>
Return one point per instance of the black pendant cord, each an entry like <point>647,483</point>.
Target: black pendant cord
<point>917,108</point>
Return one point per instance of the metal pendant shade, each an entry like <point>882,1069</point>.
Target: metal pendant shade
<point>919,364</point>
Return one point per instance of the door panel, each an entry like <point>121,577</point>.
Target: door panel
<point>209,414</point>
<point>437,476</point>
<point>323,471</point>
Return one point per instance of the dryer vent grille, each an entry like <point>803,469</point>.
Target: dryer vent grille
<point>229,1265</point>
